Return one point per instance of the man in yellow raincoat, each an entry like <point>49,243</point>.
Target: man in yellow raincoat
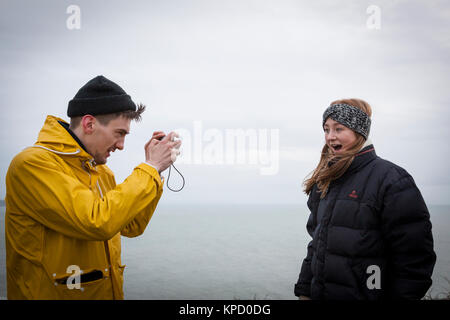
<point>64,212</point>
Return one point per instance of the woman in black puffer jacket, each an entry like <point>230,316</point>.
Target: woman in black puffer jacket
<point>370,227</point>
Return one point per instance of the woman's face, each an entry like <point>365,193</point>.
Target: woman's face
<point>338,137</point>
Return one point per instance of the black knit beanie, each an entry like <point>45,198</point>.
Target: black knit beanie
<point>349,116</point>
<point>100,96</point>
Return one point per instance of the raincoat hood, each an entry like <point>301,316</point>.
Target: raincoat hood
<point>56,138</point>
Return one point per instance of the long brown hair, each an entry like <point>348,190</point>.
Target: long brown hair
<point>325,173</point>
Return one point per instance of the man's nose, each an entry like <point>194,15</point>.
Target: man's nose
<point>119,145</point>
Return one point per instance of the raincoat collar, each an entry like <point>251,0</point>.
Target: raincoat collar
<point>54,137</point>
<point>74,136</point>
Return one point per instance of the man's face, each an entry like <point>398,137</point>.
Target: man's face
<point>106,139</point>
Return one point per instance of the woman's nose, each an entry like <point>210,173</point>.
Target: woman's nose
<point>331,136</point>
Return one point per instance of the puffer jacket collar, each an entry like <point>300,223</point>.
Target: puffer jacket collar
<point>365,156</point>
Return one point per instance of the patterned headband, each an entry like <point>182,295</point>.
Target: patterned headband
<point>349,116</point>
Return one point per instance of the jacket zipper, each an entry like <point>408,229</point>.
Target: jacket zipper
<point>106,244</point>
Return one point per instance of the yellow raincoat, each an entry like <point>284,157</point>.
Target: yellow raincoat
<point>64,218</point>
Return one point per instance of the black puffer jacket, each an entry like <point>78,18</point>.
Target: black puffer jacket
<point>374,215</point>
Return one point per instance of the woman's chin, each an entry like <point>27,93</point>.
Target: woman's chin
<point>338,152</point>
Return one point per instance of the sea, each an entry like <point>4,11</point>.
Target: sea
<point>232,252</point>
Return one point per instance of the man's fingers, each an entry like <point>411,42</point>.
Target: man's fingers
<point>174,144</point>
<point>177,144</point>
<point>158,135</point>
<point>171,136</point>
<point>174,154</point>
<point>151,142</point>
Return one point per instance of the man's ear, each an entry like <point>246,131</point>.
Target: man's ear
<point>88,124</point>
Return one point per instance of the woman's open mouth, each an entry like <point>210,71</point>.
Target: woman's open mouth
<point>336,147</point>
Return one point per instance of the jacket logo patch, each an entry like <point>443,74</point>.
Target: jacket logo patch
<point>353,194</point>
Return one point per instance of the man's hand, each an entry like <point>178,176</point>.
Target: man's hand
<point>162,153</point>
<point>304,298</point>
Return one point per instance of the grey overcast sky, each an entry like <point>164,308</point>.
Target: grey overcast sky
<point>238,65</point>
